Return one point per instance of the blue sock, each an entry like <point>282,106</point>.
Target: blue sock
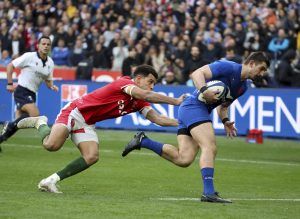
<point>152,145</point>
<point>208,180</point>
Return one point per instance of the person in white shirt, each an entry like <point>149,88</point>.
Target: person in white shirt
<point>36,67</point>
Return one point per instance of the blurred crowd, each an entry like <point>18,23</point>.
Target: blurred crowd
<point>175,37</point>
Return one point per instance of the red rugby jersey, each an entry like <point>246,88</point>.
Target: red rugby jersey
<point>109,102</point>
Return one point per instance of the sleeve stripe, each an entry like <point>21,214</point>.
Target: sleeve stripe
<point>144,111</point>
<point>128,89</point>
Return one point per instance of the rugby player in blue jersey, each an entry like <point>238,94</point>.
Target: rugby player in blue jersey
<point>195,130</point>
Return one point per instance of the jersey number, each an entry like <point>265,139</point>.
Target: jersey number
<point>121,107</point>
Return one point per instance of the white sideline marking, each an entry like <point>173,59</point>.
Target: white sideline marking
<point>232,199</point>
<point>240,161</point>
<point>152,154</point>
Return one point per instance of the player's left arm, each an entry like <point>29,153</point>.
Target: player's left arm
<point>160,119</point>
<point>49,80</point>
<point>151,96</point>
<point>228,125</point>
<point>50,85</point>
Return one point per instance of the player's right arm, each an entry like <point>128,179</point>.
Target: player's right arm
<point>151,96</point>
<point>9,71</point>
<point>16,63</point>
<point>159,119</point>
<point>199,77</point>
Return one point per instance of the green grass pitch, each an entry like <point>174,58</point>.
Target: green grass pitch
<point>262,180</point>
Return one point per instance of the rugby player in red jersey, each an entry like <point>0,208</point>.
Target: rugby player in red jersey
<point>78,118</point>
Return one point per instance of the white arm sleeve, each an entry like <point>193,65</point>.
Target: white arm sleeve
<point>145,110</point>
<point>128,89</point>
<point>21,61</point>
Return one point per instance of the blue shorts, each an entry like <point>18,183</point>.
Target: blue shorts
<point>191,113</point>
<point>23,96</point>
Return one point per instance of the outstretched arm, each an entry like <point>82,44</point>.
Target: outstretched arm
<point>228,125</point>
<point>159,119</point>
<point>152,97</point>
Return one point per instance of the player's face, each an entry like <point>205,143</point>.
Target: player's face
<point>146,83</point>
<point>258,71</point>
<point>44,46</point>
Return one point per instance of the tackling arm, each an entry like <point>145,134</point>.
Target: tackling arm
<point>159,119</point>
<point>151,96</point>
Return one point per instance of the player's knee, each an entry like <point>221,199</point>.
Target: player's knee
<point>91,158</point>
<point>51,146</point>
<point>209,148</point>
<point>184,164</point>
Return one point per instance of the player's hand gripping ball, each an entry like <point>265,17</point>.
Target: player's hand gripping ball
<point>217,87</point>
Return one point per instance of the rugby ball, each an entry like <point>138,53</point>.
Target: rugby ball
<point>215,86</point>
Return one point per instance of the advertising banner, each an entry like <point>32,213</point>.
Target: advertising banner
<point>275,111</point>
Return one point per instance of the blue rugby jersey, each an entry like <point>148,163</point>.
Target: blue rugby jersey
<point>230,74</point>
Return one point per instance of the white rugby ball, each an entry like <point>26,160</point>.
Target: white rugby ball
<point>215,86</point>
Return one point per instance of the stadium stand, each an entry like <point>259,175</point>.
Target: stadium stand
<point>92,29</point>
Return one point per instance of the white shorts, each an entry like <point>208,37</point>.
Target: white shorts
<point>75,123</point>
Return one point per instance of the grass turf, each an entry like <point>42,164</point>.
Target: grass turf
<point>263,180</point>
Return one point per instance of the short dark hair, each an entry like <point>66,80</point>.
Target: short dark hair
<point>43,37</point>
<point>145,70</point>
<point>258,57</point>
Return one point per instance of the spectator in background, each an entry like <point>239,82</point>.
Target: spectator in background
<point>46,31</point>
<point>17,44</point>
<point>59,34</point>
<point>252,43</point>
<point>170,66</point>
<point>181,52</point>
<point>279,44</point>
<point>32,43</point>
<point>5,58</point>
<point>70,37</point>
<point>140,54</point>
<point>129,62</point>
<point>284,73</point>
<point>4,35</point>
<point>120,52</point>
<point>100,59</point>
<point>232,56</point>
<point>155,59</point>
<point>71,9</point>
<point>77,54</point>
<point>212,51</point>
<point>292,24</point>
<point>212,35</point>
<point>169,78</point>
<point>151,23</point>
<point>109,34</point>
<point>194,62</point>
<point>240,38</point>
<point>60,53</point>
<point>113,43</point>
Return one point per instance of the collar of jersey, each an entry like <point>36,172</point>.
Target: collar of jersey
<point>43,60</point>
